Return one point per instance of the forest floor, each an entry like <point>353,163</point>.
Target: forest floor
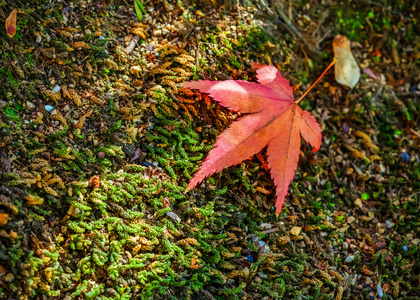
<point>98,141</point>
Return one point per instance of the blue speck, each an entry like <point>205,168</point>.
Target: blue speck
<point>250,258</point>
<point>146,164</point>
<point>157,54</point>
<point>49,108</point>
<point>379,290</point>
<point>48,16</point>
<point>405,158</point>
<point>372,297</point>
<point>101,38</point>
<point>405,248</point>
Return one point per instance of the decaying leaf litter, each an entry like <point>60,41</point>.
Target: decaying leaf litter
<point>98,143</point>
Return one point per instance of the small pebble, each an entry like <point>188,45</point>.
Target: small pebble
<point>49,108</point>
<point>173,216</point>
<point>101,154</point>
<point>405,248</point>
<point>9,277</point>
<point>255,239</point>
<point>349,258</point>
<point>249,258</point>
<point>350,219</point>
<point>56,89</point>
<point>358,202</point>
<point>264,249</point>
<point>389,224</point>
<point>346,127</point>
<point>265,226</point>
<point>416,241</point>
<point>30,105</point>
<point>258,279</point>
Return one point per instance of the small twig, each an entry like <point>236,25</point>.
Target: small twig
<point>380,5</point>
<point>287,23</point>
<point>132,44</point>
<point>323,38</point>
<point>275,229</point>
<point>415,132</point>
<point>253,235</point>
<point>320,21</point>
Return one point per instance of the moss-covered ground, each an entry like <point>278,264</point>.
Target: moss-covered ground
<point>98,140</point>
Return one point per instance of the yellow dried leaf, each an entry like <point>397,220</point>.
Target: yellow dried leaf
<point>34,200</point>
<point>3,271</point>
<point>296,231</point>
<point>4,218</point>
<point>347,72</point>
<point>71,211</point>
<point>13,234</point>
<point>194,264</point>
<point>11,23</point>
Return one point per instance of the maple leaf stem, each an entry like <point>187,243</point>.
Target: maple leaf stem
<point>323,73</point>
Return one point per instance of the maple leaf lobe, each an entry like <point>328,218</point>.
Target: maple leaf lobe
<point>271,77</point>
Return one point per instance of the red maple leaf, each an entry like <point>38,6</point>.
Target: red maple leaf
<point>272,117</point>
